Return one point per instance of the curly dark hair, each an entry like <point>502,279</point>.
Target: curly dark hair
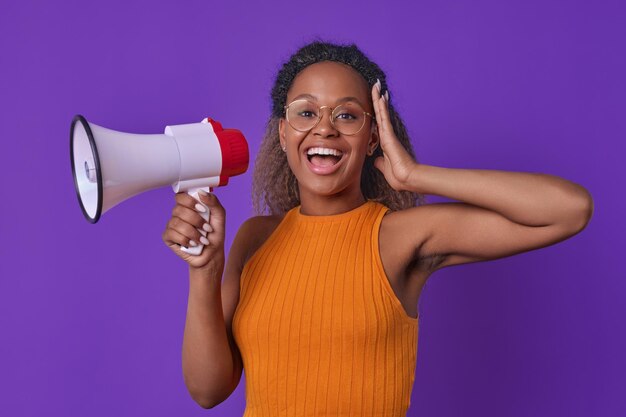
<point>274,186</point>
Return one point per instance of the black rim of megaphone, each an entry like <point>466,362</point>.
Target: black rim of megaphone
<point>96,158</point>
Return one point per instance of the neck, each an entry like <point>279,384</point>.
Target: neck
<point>327,205</point>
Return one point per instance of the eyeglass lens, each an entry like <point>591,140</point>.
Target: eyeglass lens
<point>348,118</point>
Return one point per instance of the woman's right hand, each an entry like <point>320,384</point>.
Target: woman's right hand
<point>181,229</point>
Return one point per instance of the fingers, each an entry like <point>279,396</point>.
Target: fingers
<point>181,232</point>
<point>188,215</point>
<point>218,214</point>
<point>173,236</point>
<point>186,200</point>
<point>209,199</point>
<point>183,227</point>
<point>376,91</point>
<point>380,108</point>
<point>383,113</point>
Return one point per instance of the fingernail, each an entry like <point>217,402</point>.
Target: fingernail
<point>378,86</point>
<point>387,95</point>
<point>204,240</point>
<point>192,243</point>
<point>207,227</point>
<point>200,208</point>
<point>202,192</point>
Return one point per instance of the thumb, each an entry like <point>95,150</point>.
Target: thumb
<point>212,202</point>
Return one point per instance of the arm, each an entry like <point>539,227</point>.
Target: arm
<point>212,364</point>
<point>207,358</point>
<point>501,213</point>
<point>211,361</point>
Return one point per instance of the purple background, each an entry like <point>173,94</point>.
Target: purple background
<point>92,316</point>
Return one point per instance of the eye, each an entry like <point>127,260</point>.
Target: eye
<point>346,116</point>
<point>306,113</point>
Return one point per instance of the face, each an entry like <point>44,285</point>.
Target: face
<point>327,83</point>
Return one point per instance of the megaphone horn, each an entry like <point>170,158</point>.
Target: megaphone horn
<point>110,166</point>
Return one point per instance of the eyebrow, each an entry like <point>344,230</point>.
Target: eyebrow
<point>341,100</point>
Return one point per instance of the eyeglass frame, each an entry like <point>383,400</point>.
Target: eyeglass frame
<point>319,118</point>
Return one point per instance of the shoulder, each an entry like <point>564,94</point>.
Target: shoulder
<point>260,224</point>
<point>253,233</point>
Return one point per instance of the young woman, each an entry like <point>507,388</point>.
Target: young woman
<point>318,301</point>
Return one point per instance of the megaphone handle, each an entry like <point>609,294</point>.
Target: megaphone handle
<point>197,250</point>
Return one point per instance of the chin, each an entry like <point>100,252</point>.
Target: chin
<point>337,183</point>
<point>323,190</point>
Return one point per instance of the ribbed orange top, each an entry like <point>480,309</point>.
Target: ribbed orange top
<point>320,330</point>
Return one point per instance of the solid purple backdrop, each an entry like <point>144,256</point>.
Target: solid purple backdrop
<point>92,316</point>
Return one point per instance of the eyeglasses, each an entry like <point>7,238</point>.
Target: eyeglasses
<point>347,118</point>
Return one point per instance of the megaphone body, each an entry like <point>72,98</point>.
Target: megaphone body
<point>110,166</point>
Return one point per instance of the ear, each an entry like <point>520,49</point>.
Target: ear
<point>373,142</point>
<point>281,132</point>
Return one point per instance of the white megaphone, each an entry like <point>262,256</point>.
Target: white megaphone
<point>110,166</point>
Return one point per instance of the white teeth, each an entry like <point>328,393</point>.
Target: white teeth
<point>324,151</point>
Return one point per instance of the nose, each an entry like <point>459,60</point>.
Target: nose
<point>324,127</point>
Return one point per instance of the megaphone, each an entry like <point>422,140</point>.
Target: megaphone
<point>110,166</point>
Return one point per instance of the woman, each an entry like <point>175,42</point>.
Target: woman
<point>319,298</point>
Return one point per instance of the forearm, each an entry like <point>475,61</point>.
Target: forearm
<point>531,199</point>
<point>206,355</point>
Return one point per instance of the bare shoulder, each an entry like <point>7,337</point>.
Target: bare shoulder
<point>255,231</point>
<point>250,236</point>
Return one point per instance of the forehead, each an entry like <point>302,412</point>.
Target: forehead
<point>329,81</point>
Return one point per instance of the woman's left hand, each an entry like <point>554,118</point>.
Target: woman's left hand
<point>396,164</point>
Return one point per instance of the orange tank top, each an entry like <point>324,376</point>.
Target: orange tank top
<point>319,327</point>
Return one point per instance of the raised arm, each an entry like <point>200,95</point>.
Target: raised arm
<point>500,213</point>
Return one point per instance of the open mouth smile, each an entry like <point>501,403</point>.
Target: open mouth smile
<point>324,161</point>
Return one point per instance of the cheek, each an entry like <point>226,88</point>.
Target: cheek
<point>294,159</point>
<point>357,160</point>
<point>292,137</point>
<point>360,146</point>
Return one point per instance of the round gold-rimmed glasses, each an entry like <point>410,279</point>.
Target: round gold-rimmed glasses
<point>348,118</point>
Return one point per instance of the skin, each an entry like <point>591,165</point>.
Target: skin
<point>340,191</point>
<point>498,214</point>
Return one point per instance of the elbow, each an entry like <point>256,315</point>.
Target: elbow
<point>205,402</point>
<point>203,397</point>
<point>206,405</point>
<point>587,211</point>
<point>209,398</point>
<point>584,214</point>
